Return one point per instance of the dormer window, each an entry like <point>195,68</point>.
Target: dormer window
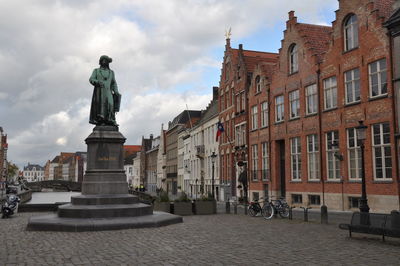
<point>350,33</point>
<point>293,59</point>
<point>258,84</point>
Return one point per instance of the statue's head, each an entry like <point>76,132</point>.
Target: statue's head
<point>105,60</point>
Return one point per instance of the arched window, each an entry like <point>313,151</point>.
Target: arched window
<point>293,59</point>
<point>350,32</point>
<point>258,84</point>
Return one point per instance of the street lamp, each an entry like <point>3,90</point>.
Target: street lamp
<point>213,157</point>
<point>361,137</point>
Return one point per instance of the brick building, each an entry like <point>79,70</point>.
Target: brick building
<point>326,80</point>
<point>236,78</point>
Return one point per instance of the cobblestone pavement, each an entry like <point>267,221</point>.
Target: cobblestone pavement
<point>221,239</point>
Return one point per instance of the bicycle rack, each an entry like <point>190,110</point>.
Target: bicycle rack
<point>291,213</point>
<point>227,207</point>
<point>305,213</point>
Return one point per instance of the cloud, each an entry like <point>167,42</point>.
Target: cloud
<point>159,48</point>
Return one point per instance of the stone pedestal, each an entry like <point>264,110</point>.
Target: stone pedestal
<point>105,203</point>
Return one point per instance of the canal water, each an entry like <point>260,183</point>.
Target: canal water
<point>51,197</point>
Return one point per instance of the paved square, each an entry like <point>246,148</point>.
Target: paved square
<point>221,239</point>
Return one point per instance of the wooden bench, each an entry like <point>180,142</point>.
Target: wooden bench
<point>375,224</point>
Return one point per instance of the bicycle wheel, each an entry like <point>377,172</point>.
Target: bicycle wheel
<point>252,212</point>
<point>284,211</point>
<point>268,211</point>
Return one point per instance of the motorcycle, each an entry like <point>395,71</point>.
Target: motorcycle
<point>10,206</point>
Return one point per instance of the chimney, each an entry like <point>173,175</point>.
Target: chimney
<point>151,136</point>
<point>292,19</point>
<point>240,47</point>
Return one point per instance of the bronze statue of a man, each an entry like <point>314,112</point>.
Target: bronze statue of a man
<point>106,99</point>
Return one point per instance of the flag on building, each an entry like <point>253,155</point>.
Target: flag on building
<point>220,129</point>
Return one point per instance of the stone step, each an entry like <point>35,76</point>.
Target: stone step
<point>104,211</point>
<point>104,199</point>
<point>54,223</point>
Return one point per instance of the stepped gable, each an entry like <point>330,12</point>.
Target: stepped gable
<point>384,8</point>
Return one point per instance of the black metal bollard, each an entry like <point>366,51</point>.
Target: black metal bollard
<point>235,208</point>
<point>227,207</point>
<point>245,209</point>
<point>324,214</point>
<point>291,213</point>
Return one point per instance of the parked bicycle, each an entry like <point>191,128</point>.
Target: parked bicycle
<point>279,206</point>
<point>255,208</point>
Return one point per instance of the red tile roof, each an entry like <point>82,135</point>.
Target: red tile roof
<point>253,58</point>
<point>316,37</point>
<point>130,149</point>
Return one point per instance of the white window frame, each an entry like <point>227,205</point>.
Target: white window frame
<point>243,106</point>
<point>258,84</point>
<point>352,85</point>
<point>279,108</point>
<point>381,74</point>
<point>240,133</point>
<point>293,59</point>
<point>265,161</point>
<point>264,114</point>
<point>382,146</point>
<point>313,157</point>
<point>330,93</point>
<point>353,149</point>
<point>294,104</point>
<point>295,158</point>
<point>350,33</point>
<point>330,155</point>
<point>311,99</point>
<point>254,161</point>
<point>254,117</point>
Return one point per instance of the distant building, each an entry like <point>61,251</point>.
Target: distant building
<point>3,155</point>
<point>68,166</point>
<point>53,168</point>
<point>33,173</point>
<point>151,166</point>
<point>146,146</point>
<point>184,120</point>
<point>201,146</point>
<point>128,167</point>
<point>47,170</point>
<point>161,161</point>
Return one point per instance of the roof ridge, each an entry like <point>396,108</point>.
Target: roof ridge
<point>315,25</point>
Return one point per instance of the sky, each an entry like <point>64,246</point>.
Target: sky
<point>166,55</point>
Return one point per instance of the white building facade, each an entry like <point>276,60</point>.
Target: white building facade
<point>33,173</point>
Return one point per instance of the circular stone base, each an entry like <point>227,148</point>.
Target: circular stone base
<point>54,223</point>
